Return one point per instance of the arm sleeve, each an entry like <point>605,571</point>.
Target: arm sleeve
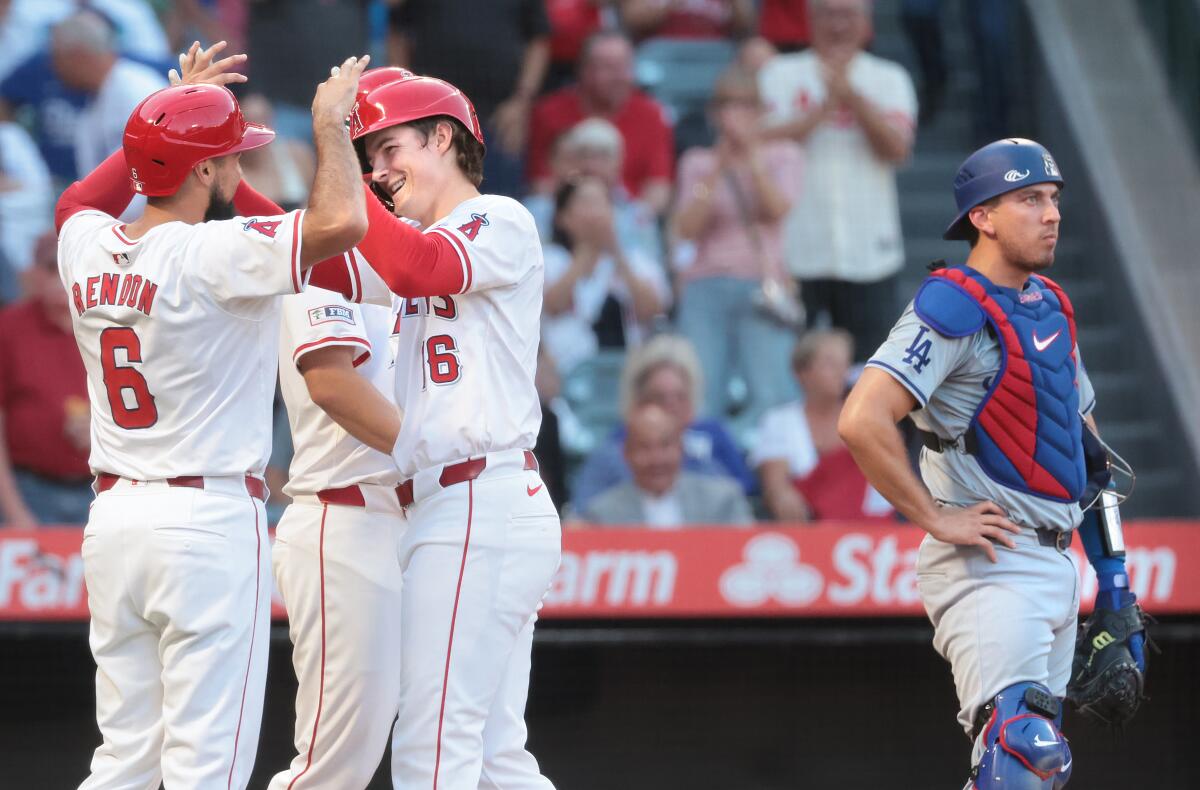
<point>918,357</point>
<point>773,438</point>
<point>249,202</point>
<point>412,263</point>
<point>106,189</point>
<point>318,318</point>
<point>495,244</point>
<point>241,261</point>
<point>899,99</point>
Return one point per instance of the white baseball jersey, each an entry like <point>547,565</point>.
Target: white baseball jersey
<point>326,456</point>
<point>465,362</point>
<point>178,331</point>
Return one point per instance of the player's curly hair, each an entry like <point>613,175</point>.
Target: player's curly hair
<point>470,151</point>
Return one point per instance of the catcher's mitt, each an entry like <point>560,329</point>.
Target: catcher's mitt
<point>1106,682</point>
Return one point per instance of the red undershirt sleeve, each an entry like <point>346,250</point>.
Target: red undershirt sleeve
<point>412,263</point>
<point>249,202</point>
<point>107,189</point>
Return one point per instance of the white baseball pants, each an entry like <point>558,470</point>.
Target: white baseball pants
<point>1002,623</point>
<point>478,557</point>
<point>179,590</point>
<point>338,570</point>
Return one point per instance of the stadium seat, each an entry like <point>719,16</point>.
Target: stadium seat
<point>680,74</point>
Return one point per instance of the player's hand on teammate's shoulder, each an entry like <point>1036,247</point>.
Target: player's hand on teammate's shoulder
<point>197,67</point>
<point>983,524</point>
<point>335,96</point>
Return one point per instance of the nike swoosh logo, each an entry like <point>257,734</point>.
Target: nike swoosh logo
<point>1042,345</point>
<point>1037,741</point>
<point>1066,767</point>
<point>532,491</point>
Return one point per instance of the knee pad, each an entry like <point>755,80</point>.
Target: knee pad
<point>1023,748</point>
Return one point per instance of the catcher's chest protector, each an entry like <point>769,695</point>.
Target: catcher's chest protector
<point>1027,432</point>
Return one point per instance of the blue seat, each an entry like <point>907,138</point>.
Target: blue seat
<point>681,74</point>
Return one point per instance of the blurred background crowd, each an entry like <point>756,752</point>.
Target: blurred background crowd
<point>716,184</point>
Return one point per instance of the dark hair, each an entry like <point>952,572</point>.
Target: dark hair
<point>470,151</point>
<point>562,196</point>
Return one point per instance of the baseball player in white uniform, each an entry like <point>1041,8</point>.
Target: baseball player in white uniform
<point>177,323</point>
<point>483,538</point>
<point>337,548</point>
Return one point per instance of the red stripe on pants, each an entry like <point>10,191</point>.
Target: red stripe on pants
<point>253,628</point>
<point>437,762</point>
<point>312,742</point>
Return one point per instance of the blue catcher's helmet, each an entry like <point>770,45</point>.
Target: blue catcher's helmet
<point>997,168</point>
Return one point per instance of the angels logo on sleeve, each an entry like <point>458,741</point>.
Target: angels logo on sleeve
<point>327,314</point>
<point>471,229</point>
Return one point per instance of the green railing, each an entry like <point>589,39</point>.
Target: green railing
<point>1175,28</point>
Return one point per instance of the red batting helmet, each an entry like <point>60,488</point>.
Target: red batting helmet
<point>176,128</point>
<point>373,78</point>
<point>411,99</point>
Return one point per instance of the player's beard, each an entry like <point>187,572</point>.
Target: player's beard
<point>218,207</point>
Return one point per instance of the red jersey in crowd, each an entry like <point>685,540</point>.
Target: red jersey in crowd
<point>649,141</point>
<point>784,22</point>
<point>571,22</point>
<point>697,19</point>
<point>42,385</point>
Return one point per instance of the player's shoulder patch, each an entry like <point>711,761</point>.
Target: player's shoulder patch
<point>267,227</point>
<point>948,308</point>
<point>477,222</point>
<point>331,313</point>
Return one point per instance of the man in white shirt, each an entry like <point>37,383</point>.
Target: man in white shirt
<point>83,49</point>
<point>854,113</point>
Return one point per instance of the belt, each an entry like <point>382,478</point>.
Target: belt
<point>966,443</point>
<point>349,496</point>
<point>461,472</point>
<point>1054,538</point>
<point>255,487</point>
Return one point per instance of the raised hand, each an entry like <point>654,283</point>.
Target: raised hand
<point>978,525</point>
<point>335,96</point>
<point>196,67</point>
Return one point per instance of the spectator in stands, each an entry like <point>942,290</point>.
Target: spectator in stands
<point>659,493</point>
<point>732,199</point>
<point>26,196</point>
<point>496,52</point>
<point>805,470</point>
<point>854,113</point>
<point>693,19</point>
<point>283,170</point>
<point>599,292</point>
<point>571,23</point>
<point>33,91</point>
<point>594,149</point>
<point>754,52</point>
<point>606,90</point>
<point>784,23</point>
<point>44,413</point>
<point>664,372</point>
<point>83,52</point>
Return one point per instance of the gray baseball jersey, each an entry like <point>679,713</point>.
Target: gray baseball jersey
<point>949,377</point>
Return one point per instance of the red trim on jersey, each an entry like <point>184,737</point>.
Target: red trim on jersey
<point>253,629</point>
<point>312,742</point>
<point>361,358</point>
<point>468,271</point>
<point>106,189</point>
<point>304,348</point>
<point>355,277</point>
<point>437,762</point>
<point>116,229</point>
<point>297,282</point>
<point>412,263</point>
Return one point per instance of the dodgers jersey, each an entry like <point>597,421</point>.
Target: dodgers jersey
<point>325,455</point>
<point>465,362</point>
<point>178,332</point>
<point>949,378</point>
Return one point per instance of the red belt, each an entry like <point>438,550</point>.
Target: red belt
<point>255,487</point>
<point>461,472</point>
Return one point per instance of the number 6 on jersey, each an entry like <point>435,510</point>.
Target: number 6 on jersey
<point>121,378</point>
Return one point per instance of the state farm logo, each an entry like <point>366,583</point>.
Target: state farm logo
<point>771,570</point>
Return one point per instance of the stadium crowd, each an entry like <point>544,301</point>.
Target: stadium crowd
<point>714,181</point>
